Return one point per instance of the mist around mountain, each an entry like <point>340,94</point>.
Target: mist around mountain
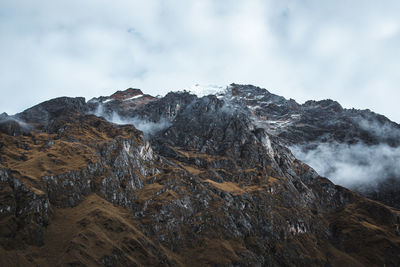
<point>232,178</point>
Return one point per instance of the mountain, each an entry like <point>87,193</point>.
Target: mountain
<point>357,148</point>
<point>131,179</point>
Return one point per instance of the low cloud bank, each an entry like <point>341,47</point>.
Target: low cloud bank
<point>146,126</point>
<point>354,166</point>
<point>383,130</point>
<point>13,125</point>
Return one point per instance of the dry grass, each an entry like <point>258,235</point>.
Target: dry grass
<point>238,189</point>
<point>190,169</point>
<point>87,233</point>
<point>229,187</point>
<point>215,252</point>
<point>33,156</point>
<point>42,154</point>
<point>148,191</point>
<point>196,154</point>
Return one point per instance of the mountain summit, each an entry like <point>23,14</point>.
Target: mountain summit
<point>131,179</point>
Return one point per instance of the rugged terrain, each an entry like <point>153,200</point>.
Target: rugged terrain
<point>359,140</point>
<point>204,181</point>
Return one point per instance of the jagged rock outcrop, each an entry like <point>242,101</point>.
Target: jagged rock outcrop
<point>212,188</point>
<point>24,211</point>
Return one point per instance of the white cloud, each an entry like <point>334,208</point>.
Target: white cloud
<point>345,50</point>
<point>386,29</point>
<point>355,166</point>
<point>147,127</point>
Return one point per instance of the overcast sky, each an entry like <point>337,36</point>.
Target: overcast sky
<point>344,50</point>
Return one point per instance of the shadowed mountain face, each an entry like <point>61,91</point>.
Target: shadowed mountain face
<point>204,181</point>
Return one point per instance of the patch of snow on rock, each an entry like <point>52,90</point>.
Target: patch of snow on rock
<point>108,100</point>
<point>133,97</point>
<point>204,90</point>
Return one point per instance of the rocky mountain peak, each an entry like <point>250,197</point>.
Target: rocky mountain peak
<point>126,94</point>
<point>48,110</point>
<point>3,116</point>
<point>325,104</point>
<point>251,92</point>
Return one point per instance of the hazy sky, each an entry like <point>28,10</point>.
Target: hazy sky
<point>347,50</point>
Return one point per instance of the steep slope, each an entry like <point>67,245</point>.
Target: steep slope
<point>212,188</point>
<point>356,148</point>
<point>93,233</point>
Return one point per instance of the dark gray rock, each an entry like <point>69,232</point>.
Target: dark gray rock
<point>49,110</point>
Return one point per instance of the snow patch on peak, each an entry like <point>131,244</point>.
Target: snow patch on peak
<point>204,90</point>
<point>107,100</point>
<point>133,97</point>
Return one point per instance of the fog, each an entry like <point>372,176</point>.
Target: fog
<point>146,126</point>
<point>25,127</point>
<point>383,130</point>
<point>353,166</point>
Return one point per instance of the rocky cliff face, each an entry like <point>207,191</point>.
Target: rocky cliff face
<point>356,148</point>
<point>214,186</point>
